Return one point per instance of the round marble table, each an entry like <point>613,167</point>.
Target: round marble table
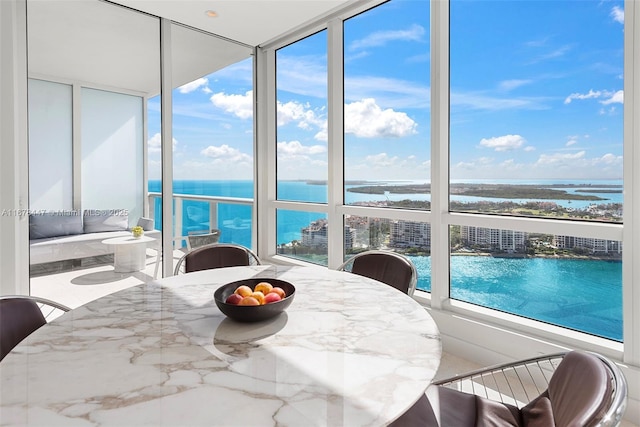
<point>349,351</point>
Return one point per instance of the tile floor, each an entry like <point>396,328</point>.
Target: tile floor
<point>75,285</point>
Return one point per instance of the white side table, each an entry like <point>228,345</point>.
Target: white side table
<point>130,254</point>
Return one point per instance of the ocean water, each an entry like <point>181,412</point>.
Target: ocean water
<point>584,295</point>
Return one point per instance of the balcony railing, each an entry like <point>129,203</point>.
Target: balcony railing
<point>197,214</point>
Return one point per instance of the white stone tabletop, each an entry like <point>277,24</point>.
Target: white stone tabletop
<point>128,240</point>
<point>349,351</point>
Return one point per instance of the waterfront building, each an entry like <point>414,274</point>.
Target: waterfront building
<point>591,245</point>
<point>410,234</point>
<point>494,239</point>
<point>315,235</point>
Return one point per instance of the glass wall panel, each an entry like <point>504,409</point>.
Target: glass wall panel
<point>302,235</point>
<point>410,238</point>
<point>301,93</point>
<point>536,108</point>
<point>212,136</point>
<point>569,281</point>
<point>112,158</point>
<point>386,111</point>
<point>50,146</point>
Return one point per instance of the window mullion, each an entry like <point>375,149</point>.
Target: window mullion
<point>439,152</point>
<point>335,131</point>
<point>631,219</point>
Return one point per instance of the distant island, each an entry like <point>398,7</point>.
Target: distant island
<point>498,191</point>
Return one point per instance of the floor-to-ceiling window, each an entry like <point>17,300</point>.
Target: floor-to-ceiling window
<point>387,128</point>
<point>536,125</point>
<point>212,127</point>
<point>530,190</point>
<point>301,149</point>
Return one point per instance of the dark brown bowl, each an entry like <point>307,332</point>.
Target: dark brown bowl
<point>253,313</point>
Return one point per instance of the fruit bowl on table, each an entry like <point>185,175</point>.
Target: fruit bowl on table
<point>253,313</point>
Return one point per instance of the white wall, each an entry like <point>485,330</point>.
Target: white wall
<point>14,249</point>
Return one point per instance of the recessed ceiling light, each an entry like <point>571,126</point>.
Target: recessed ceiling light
<point>211,14</point>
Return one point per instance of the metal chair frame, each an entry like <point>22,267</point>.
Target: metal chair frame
<point>47,306</point>
<point>196,240</point>
<point>518,383</point>
<point>26,322</point>
<point>414,273</point>
<point>253,258</point>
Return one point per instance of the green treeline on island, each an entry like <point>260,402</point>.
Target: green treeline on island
<point>499,191</point>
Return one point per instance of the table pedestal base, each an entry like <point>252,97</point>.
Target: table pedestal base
<point>129,258</point>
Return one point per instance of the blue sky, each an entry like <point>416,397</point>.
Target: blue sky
<point>536,93</point>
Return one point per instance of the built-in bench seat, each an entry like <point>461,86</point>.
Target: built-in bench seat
<point>60,236</point>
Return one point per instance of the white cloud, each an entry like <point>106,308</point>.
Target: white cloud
<point>559,165</point>
<point>194,85</point>
<point>239,105</point>
<point>366,119</point>
<point>391,92</point>
<point>388,166</point>
<point>225,153</point>
<point>210,169</point>
<point>589,95</point>
<point>481,101</point>
<point>303,75</point>
<point>559,158</point>
<point>529,148</point>
<point>617,14</point>
<point>381,160</point>
<point>294,111</point>
<point>295,148</point>
<point>612,97</point>
<point>508,85</point>
<point>572,140</point>
<point>616,98</point>
<point>503,143</point>
<point>559,52</point>
<point>381,38</point>
<point>154,144</point>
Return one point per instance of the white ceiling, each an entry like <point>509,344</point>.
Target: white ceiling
<point>101,44</point>
<point>252,22</point>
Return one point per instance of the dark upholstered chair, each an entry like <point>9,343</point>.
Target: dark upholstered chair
<point>20,315</point>
<point>385,266</point>
<point>216,256</point>
<point>583,390</point>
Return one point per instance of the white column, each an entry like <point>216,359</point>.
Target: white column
<point>631,219</point>
<point>14,227</point>
<point>167,147</point>
<point>439,152</point>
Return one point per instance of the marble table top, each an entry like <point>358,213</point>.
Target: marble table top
<point>349,351</point>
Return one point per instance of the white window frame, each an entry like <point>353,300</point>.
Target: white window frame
<point>486,334</point>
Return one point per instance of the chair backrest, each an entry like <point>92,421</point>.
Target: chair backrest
<point>19,317</point>
<point>216,256</point>
<point>385,266</point>
<point>202,239</point>
<point>586,389</point>
<point>568,389</point>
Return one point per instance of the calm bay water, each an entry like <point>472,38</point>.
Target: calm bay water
<point>584,295</point>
